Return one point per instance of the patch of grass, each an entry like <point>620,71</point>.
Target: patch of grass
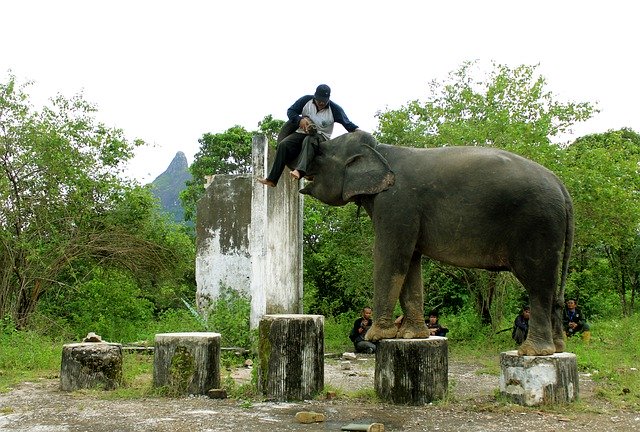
<point>366,395</point>
<point>612,358</point>
<point>5,410</point>
<point>336,333</point>
<point>27,356</point>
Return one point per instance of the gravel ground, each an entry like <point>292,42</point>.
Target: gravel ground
<point>472,406</point>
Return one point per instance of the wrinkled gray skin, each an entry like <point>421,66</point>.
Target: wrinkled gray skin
<point>471,207</point>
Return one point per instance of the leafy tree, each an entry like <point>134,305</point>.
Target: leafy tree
<point>228,152</point>
<point>65,209</point>
<point>507,107</point>
<point>338,265</point>
<point>602,174</point>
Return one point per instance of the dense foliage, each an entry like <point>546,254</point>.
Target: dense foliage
<point>228,152</point>
<point>68,218</point>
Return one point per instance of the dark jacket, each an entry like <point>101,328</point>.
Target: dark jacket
<point>520,329</point>
<point>577,317</point>
<point>440,330</point>
<point>355,335</point>
<point>294,113</point>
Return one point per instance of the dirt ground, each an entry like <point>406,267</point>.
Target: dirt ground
<point>472,406</point>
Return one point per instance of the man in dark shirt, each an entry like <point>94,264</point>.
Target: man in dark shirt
<point>521,326</point>
<point>435,329</point>
<point>359,330</point>
<point>311,120</point>
<point>574,321</point>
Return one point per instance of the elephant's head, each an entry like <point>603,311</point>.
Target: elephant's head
<point>346,167</point>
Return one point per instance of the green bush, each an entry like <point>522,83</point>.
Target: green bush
<point>110,305</point>
<point>336,332</point>
<point>230,315</point>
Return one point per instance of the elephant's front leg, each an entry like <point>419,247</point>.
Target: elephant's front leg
<point>391,266</point>
<point>412,302</point>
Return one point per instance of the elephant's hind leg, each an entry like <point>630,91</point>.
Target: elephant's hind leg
<point>539,278</point>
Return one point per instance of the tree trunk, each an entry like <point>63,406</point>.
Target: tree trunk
<point>187,363</point>
<point>412,371</point>
<point>291,352</point>
<point>89,365</point>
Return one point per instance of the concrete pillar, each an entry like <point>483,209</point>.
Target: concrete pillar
<point>90,365</point>
<point>187,363</point>
<point>539,380</point>
<point>222,237</point>
<point>249,239</point>
<point>412,371</point>
<point>276,241</point>
<point>291,354</point>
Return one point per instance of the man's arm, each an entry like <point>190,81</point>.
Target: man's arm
<point>339,116</point>
<point>294,113</point>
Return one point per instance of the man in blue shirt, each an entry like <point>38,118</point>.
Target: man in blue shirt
<point>311,120</point>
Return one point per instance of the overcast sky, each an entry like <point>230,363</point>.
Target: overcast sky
<point>169,71</point>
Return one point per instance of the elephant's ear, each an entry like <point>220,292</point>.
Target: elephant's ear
<point>366,173</point>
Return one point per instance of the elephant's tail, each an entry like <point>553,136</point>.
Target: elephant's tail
<point>568,244</point>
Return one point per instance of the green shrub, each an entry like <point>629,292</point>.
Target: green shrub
<point>229,315</point>
<point>110,305</point>
<point>336,332</point>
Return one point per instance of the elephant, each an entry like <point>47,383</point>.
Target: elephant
<point>473,207</point>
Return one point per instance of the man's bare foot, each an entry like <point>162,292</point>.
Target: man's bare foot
<point>267,182</point>
<point>296,174</point>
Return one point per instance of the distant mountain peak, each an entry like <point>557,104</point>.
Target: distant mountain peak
<point>178,164</point>
<point>168,185</point>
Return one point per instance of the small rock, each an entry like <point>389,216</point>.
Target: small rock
<point>217,393</point>
<point>307,417</point>
<point>248,363</point>
<point>348,356</point>
<point>331,395</point>
<point>92,337</point>
<point>345,365</point>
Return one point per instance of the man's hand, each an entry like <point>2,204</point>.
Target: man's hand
<point>304,123</point>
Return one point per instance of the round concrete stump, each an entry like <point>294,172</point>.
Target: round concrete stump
<point>187,363</point>
<point>412,371</point>
<point>291,365</point>
<point>91,365</point>
<point>539,380</point>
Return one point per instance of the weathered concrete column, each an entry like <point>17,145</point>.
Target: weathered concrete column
<point>187,363</point>
<point>539,380</point>
<point>223,257</point>
<point>91,364</point>
<point>249,239</point>
<point>291,356</point>
<point>412,371</point>
<point>275,239</point>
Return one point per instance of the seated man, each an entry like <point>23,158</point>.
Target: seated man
<point>521,326</point>
<point>574,321</point>
<point>435,329</point>
<point>360,328</point>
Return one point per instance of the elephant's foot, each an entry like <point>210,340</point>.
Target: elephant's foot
<point>413,331</point>
<point>559,343</point>
<point>529,348</point>
<point>377,332</point>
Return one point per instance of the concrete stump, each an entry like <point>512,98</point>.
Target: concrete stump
<point>187,363</point>
<point>539,380</point>
<point>90,365</point>
<point>412,371</point>
<point>291,365</point>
